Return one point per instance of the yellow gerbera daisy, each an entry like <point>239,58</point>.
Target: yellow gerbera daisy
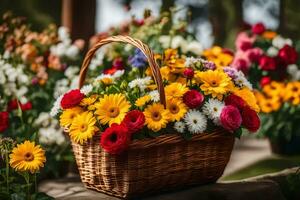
<point>176,108</point>
<point>142,100</point>
<point>175,90</point>
<point>107,81</point>
<point>112,108</point>
<point>66,118</point>
<point>273,89</point>
<point>216,83</point>
<point>89,102</point>
<point>83,127</point>
<point>156,116</point>
<point>248,96</point>
<point>27,157</point>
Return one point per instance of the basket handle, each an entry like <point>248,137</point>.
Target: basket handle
<point>138,44</point>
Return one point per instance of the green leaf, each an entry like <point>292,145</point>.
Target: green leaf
<point>238,133</point>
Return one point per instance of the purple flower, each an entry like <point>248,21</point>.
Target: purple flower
<point>231,72</point>
<point>209,65</point>
<point>138,60</point>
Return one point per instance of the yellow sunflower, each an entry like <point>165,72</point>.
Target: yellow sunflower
<point>156,116</point>
<point>177,109</point>
<point>268,105</point>
<point>68,115</point>
<point>89,102</point>
<point>216,83</point>
<point>273,89</point>
<point>112,108</point>
<point>248,96</point>
<point>218,56</point>
<point>292,93</point>
<point>173,62</point>
<point>27,157</point>
<point>83,127</point>
<point>142,100</point>
<point>175,90</point>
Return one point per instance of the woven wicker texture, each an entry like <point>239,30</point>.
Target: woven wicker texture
<point>151,165</point>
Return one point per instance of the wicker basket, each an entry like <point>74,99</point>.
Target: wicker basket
<point>151,165</point>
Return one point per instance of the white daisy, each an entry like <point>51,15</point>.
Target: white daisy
<point>56,106</point>
<point>154,96</point>
<point>195,121</point>
<point>212,109</point>
<point>118,74</point>
<point>179,127</point>
<point>272,51</point>
<point>141,83</point>
<point>241,80</point>
<point>86,89</point>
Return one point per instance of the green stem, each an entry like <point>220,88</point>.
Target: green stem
<point>35,184</point>
<point>27,179</point>
<point>7,171</point>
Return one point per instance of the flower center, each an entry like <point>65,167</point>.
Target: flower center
<point>215,109</point>
<point>174,109</point>
<point>156,116</point>
<point>113,112</point>
<point>195,121</point>
<point>28,157</point>
<point>214,83</point>
<point>83,127</point>
<point>113,137</point>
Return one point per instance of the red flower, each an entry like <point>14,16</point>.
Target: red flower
<point>71,99</point>
<point>188,73</point>
<point>267,63</point>
<point>193,98</point>
<point>242,64</point>
<point>118,64</point>
<point>230,118</point>
<point>110,71</point>
<point>4,121</point>
<point>250,120</point>
<point>13,105</point>
<point>288,54</point>
<point>265,81</point>
<point>26,106</point>
<point>254,54</point>
<point>236,101</point>
<point>134,121</point>
<point>258,28</point>
<point>246,45</point>
<point>115,139</point>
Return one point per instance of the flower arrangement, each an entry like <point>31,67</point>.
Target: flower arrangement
<point>220,56</point>
<point>21,161</point>
<point>125,105</point>
<point>265,56</point>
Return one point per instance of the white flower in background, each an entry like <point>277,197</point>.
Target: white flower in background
<point>154,96</point>
<point>56,106</point>
<point>51,135</point>
<point>44,119</point>
<point>272,51</point>
<point>177,41</point>
<point>279,42</point>
<point>71,72</point>
<point>98,58</point>
<point>241,80</point>
<point>61,86</point>
<point>141,83</point>
<point>179,127</point>
<point>63,33</point>
<point>191,61</point>
<point>21,91</point>
<point>195,121</point>
<point>2,77</point>
<point>165,41</point>
<point>86,89</point>
<point>74,83</point>
<point>72,52</point>
<point>212,109</point>
<point>294,72</point>
<point>6,55</point>
<point>118,74</point>
<point>23,100</point>
<point>194,47</point>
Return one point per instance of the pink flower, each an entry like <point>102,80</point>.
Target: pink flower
<point>230,118</point>
<point>244,41</point>
<point>193,98</point>
<point>188,73</point>
<point>254,54</point>
<point>241,61</point>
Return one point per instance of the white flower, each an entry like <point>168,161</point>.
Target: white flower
<point>179,127</point>
<point>51,135</point>
<point>272,51</point>
<point>71,71</point>
<point>154,96</point>
<point>74,83</point>
<point>241,80</point>
<point>21,91</point>
<point>118,74</point>
<point>177,41</point>
<point>195,47</point>
<point>141,83</point>
<point>43,119</point>
<point>72,52</point>
<point>292,69</point>
<point>2,78</point>
<point>165,41</point>
<point>86,89</point>
<point>195,121</point>
<point>212,109</point>
<point>23,100</point>
<point>279,41</point>
<point>63,33</point>
<point>191,61</point>
<point>56,106</point>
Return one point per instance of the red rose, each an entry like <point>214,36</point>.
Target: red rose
<point>118,64</point>
<point>265,81</point>
<point>288,54</point>
<point>188,73</point>
<point>236,101</point>
<point>26,106</point>
<point>134,121</point>
<point>258,28</point>
<point>230,118</point>
<point>246,45</point>
<point>4,121</point>
<point>13,105</point>
<point>254,54</point>
<point>193,98</point>
<point>250,119</point>
<point>71,99</point>
<point>242,65</point>
<point>267,63</point>
<point>110,71</point>
<point>115,139</point>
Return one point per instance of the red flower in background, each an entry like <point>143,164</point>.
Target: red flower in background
<point>230,118</point>
<point>13,105</point>
<point>267,63</point>
<point>288,54</point>
<point>115,139</point>
<point>117,65</point>
<point>250,119</point>
<point>193,98</point>
<point>265,81</point>
<point>134,121</point>
<point>4,121</point>
<point>254,54</point>
<point>188,73</point>
<point>241,64</point>
<point>236,101</point>
<point>26,106</point>
<point>71,99</point>
<point>258,28</point>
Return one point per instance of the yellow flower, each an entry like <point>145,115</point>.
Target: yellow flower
<point>177,109</point>
<point>217,55</point>
<point>107,81</point>
<point>27,157</point>
<point>216,83</point>
<point>273,89</point>
<point>173,62</point>
<point>142,100</point>
<point>156,117</point>
<point>68,115</point>
<point>112,108</point>
<point>175,90</point>
<point>83,127</point>
<point>292,93</point>
<point>89,102</point>
<point>268,105</point>
<point>248,96</point>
